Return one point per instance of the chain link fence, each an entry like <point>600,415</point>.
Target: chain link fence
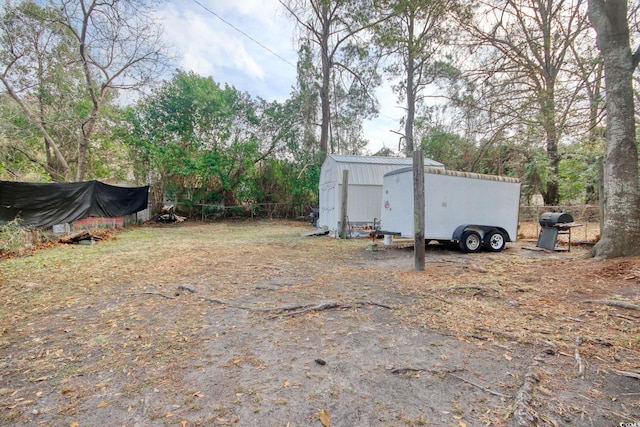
<point>586,217</point>
<point>249,210</point>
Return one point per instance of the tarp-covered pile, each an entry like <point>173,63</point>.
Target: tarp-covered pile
<point>44,205</point>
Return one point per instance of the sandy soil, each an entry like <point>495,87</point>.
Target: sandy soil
<point>250,324</point>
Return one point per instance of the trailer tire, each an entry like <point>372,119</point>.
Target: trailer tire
<point>470,241</point>
<point>494,241</point>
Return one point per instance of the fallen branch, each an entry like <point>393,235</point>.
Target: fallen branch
<point>631,320</point>
<point>614,303</point>
<point>157,293</point>
<point>187,288</point>
<point>319,307</point>
<point>404,371</point>
<point>284,308</point>
<point>479,289</point>
<point>78,236</point>
<point>217,301</point>
<point>294,310</point>
<point>415,371</point>
<point>483,388</point>
<point>627,374</point>
<point>377,304</point>
<point>304,309</point>
<point>465,288</point>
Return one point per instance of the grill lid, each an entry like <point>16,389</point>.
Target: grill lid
<point>550,219</point>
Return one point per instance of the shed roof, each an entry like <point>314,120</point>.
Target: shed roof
<point>441,171</point>
<point>366,170</point>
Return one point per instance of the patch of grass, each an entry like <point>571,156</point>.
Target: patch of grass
<point>456,409</point>
<point>420,420</point>
<point>11,416</point>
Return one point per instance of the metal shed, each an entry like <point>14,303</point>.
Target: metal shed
<point>365,187</point>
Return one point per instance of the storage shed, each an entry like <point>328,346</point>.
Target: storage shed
<point>365,187</point>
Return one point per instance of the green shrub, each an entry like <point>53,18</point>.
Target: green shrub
<point>12,236</point>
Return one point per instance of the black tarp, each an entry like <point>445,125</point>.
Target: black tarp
<point>44,205</point>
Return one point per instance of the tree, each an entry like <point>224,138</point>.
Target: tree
<point>307,97</point>
<point>330,33</point>
<point>526,74</point>
<point>202,141</point>
<point>621,225</point>
<point>413,37</point>
<point>448,148</point>
<point>80,52</point>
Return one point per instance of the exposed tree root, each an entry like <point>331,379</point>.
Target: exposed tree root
<point>303,309</point>
<point>465,288</point>
<point>158,294</point>
<point>285,311</point>
<point>479,290</point>
<point>483,388</point>
<point>187,288</point>
<point>217,301</point>
<point>415,371</point>
<point>524,415</point>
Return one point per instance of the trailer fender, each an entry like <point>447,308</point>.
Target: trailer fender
<point>482,229</point>
<point>504,233</point>
<point>457,234</point>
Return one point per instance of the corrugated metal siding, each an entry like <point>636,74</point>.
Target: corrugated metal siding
<point>366,176</point>
<point>365,170</point>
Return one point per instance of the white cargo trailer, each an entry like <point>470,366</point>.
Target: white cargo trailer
<point>472,210</point>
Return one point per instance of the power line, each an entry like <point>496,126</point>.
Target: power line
<point>242,32</point>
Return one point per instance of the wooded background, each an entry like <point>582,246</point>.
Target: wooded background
<point>516,88</point>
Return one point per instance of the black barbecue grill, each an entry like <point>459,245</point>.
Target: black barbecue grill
<point>553,224</point>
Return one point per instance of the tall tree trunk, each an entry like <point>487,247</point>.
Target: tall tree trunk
<point>411,94</point>
<point>411,113</point>
<point>594,91</point>
<point>83,143</point>
<point>325,99</point>
<point>621,231</point>
<point>552,193</point>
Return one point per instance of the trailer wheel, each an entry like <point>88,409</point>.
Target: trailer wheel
<point>494,241</point>
<point>470,241</point>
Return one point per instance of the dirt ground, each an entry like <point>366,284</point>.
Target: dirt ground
<point>251,324</point>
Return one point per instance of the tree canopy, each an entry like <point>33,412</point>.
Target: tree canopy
<point>515,88</point>
<point>61,64</point>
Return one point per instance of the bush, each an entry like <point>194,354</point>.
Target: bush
<point>12,236</point>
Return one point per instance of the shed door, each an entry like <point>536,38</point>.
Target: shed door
<point>327,205</point>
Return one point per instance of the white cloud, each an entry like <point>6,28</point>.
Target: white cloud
<point>208,46</point>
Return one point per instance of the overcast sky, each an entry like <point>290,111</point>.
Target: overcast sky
<point>261,61</point>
